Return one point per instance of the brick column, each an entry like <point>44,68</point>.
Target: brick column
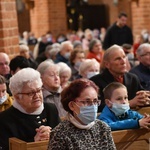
<point>48,15</point>
<point>8,27</point>
<point>140,15</point>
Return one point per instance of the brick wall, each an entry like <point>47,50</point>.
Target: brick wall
<point>48,15</point>
<point>23,20</point>
<point>140,16</point>
<point>138,12</point>
<point>114,9</point>
<point>8,27</point>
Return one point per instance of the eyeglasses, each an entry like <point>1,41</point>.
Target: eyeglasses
<point>89,102</point>
<point>33,93</point>
<point>146,54</point>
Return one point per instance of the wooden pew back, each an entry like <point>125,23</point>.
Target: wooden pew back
<point>137,139</point>
<point>17,144</point>
<point>143,110</point>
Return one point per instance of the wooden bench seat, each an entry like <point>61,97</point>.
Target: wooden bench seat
<point>17,144</point>
<point>133,139</point>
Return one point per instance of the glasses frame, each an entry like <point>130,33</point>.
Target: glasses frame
<point>33,93</point>
<point>89,103</point>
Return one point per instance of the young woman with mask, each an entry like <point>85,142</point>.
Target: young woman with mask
<point>76,58</point>
<point>117,113</point>
<point>81,130</point>
<point>5,99</point>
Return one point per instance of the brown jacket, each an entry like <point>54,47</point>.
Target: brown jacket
<point>7,103</point>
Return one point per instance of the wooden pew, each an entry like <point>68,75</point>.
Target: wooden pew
<point>142,110</point>
<point>133,139</point>
<point>17,144</point>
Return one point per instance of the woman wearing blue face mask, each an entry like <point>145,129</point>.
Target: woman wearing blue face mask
<point>81,130</point>
<point>117,113</point>
<point>5,99</point>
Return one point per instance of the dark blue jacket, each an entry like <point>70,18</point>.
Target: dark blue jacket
<point>60,58</point>
<point>143,74</point>
<point>128,121</point>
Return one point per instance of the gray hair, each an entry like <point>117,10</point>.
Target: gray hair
<point>23,47</point>
<point>141,48</point>
<point>56,45</point>
<point>109,51</point>
<point>48,48</point>
<point>45,65</point>
<point>92,43</point>
<point>22,77</point>
<point>64,67</point>
<point>86,64</point>
<point>54,52</point>
<point>64,44</point>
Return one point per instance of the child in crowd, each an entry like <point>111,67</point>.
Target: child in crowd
<point>5,99</point>
<point>117,113</point>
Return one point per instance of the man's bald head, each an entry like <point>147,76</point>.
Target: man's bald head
<point>4,64</point>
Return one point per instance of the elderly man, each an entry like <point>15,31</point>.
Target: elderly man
<point>51,85</point>
<point>64,53</point>
<point>4,64</point>
<point>143,69</point>
<point>115,69</point>
<point>28,119</point>
<point>5,69</point>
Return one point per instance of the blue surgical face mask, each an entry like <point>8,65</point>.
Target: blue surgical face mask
<point>77,64</point>
<point>3,99</point>
<point>120,109</point>
<point>88,114</point>
<point>67,55</point>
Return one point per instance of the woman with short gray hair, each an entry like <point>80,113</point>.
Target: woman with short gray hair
<point>89,68</point>
<point>28,119</point>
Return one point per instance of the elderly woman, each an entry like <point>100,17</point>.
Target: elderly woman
<point>28,119</point>
<point>51,85</point>
<point>89,68</point>
<point>95,50</point>
<point>81,130</point>
<point>64,74</point>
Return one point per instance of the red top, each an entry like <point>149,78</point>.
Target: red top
<point>98,57</point>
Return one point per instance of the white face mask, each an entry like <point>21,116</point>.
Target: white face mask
<point>145,36</point>
<point>91,74</point>
<point>3,99</point>
<point>120,109</point>
<point>77,64</point>
<point>67,55</point>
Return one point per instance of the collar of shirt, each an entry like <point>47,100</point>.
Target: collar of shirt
<point>119,79</point>
<point>47,93</point>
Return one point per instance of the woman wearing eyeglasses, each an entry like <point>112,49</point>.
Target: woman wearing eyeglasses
<point>81,130</point>
<point>28,119</point>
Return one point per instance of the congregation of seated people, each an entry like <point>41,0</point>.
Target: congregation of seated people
<point>54,91</point>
